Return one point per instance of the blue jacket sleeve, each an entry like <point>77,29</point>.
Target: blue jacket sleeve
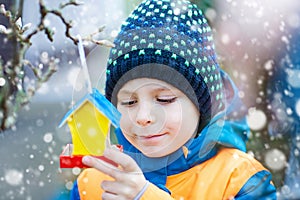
<point>74,194</point>
<point>258,187</point>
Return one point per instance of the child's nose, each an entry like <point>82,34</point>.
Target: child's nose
<point>144,116</point>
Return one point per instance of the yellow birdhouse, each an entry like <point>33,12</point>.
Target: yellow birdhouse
<point>90,122</point>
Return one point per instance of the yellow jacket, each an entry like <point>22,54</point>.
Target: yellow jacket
<point>221,177</point>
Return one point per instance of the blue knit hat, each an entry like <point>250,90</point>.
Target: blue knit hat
<point>169,40</point>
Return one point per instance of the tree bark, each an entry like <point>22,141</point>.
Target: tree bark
<point>9,55</point>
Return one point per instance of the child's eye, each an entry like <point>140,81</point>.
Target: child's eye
<point>128,103</point>
<point>166,100</point>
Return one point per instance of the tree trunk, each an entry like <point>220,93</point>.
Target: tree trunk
<point>9,55</point>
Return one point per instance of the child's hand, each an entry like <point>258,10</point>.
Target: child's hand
<point>128,178</point>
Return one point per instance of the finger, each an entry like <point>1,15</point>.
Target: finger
<point>113,187</point>
<point>109,196</point>
<point>118,188</point>
<point>102,166</point>
<point>124,160</point>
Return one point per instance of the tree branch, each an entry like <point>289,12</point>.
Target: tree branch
<point>14,94</point>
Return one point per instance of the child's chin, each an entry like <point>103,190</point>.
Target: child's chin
<point>154,153</point>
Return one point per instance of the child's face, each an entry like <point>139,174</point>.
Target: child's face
<point>157,118</point>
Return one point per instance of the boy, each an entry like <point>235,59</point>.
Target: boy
<point>164,78</point>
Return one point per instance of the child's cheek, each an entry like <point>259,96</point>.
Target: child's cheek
<point>174,112</point>
<point>125,123</point>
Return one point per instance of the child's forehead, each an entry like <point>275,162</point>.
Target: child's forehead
<point>146,84</point>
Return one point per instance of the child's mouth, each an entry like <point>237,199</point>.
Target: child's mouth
<point>153,136</point>
<point>152,139</point>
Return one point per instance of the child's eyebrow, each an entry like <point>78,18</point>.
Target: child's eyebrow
<point>162,89</point>
<point>155,89</point>
<point>125,92</point>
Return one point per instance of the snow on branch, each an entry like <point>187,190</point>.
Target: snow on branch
<point>13,94</point>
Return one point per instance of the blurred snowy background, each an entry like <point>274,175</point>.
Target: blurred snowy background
<point>29,166</point>
<point>251,37</point>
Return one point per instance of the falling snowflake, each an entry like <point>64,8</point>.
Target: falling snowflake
<point>256,119</point>
<point>13,177</point>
